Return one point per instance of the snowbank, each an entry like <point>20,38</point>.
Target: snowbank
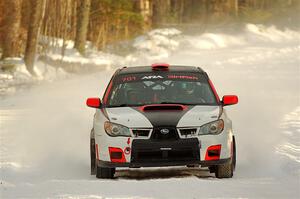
<point>71,55</point>
<point>19,77</point>
<point>156,45</point>
<point>252,34</point>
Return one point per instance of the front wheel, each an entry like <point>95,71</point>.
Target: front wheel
<point>103,172</point>
<point>226,170</point>
<point>93,156</point>
<point>234,154</point>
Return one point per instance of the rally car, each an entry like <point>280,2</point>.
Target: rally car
<point>161,115</point>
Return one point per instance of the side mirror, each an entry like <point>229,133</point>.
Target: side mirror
<point>93,102</point>
<point>229,100</point>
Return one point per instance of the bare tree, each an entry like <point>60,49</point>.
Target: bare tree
<point>37,11</point>
<point>234,6</point>
<point>144,7</point>
<point>11,45</point>
<point>82,25</point>
<point>161,11</point>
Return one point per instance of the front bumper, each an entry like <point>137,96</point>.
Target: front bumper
<point>154,153</point>
<point>163,164</point>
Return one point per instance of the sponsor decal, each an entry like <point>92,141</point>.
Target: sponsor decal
<point>152,77</point>
<point>127,150</point>
<point>166,149</point>
<point>182,77</point>
<point>128,78</point>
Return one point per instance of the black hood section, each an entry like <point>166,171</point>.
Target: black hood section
<point>163,117</point>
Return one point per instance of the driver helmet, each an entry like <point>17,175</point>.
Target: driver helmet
<point>188,87</point>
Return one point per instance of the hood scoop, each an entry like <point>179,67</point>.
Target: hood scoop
<point>163,107</point>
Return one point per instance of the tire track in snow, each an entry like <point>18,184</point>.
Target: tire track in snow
<point>290,147</point>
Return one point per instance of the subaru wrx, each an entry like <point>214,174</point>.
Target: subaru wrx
<point>161,115</point>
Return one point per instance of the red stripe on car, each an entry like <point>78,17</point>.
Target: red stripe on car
<point>214,90</point>
<point>97,152</point>
<point>107,92</point>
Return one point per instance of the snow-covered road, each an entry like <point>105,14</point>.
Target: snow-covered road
<point>44,131</point>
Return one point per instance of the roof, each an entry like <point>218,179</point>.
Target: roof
<point>148,69</point>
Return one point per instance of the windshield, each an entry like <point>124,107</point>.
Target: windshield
<point>161,88</point>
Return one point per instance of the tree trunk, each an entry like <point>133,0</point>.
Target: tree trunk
<point>144,7</point>
<point>161,11</point>
<point>236,7</point>
<point>177,8</point>
<point>12,20</point>
<point>233,7</point>
<point>37,12</point>
<point>82,25</point>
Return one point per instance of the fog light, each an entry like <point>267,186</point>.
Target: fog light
<point>116,154</point>
<point>213,152</point>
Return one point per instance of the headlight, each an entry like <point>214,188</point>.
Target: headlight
<point>214,128</point>
<point>114,130</point>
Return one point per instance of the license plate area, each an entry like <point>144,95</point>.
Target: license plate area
<point>145,151</point>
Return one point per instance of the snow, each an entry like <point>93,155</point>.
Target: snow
<point>44,130</point>
<point>11,80</point>
<point>71,55</point>
<point>289,146</point>
<point>93,57</point>
<point>155,45</point>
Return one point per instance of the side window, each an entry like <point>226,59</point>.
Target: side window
<point>116,95</point>
<point>207,95</point>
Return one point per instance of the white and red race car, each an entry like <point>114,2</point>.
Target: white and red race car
<point>161,115</point>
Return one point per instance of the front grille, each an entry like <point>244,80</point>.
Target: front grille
<point>141,132</point>
<point>161,134</point>
<point>151,151</point>
<point>187,132</point>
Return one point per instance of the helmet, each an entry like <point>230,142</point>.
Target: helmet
<point>188,87</point>
<point>133,92</point>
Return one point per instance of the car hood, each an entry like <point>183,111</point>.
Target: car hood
<point>135,117</point>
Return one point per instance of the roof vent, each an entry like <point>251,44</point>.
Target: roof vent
<point>160,66</point>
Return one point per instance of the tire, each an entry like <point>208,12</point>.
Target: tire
<point>103,172</point>
<point>100,172</point>
<point>93,156</point>
<point>226,170</point>
<point>234,155</point>
<point>212,169</point>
